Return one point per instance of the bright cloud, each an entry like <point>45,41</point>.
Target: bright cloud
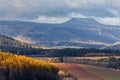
<point>52,20</point>
<point>109,20</point>
<point>59,10</point>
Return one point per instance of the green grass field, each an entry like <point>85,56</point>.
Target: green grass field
<point>97,57</point>
<point>105,73</point>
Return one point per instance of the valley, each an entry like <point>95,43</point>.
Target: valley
<point>87,72</point>
<point>78,72</point>
<point>80,63</point>
<point>84,71</point>
<point>59,39</point>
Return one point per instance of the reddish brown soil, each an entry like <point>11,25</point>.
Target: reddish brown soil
<point>78,72</point>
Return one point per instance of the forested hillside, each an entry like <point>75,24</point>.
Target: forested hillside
<point>14,67</point>
<point>8,44</point>
<point>7,41</point>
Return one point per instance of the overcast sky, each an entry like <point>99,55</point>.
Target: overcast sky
<point>54,11</point>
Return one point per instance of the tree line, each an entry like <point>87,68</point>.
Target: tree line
<point>70,52</point>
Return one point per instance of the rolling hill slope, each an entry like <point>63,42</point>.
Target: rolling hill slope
<point>80,32</point>
<point>7,41</point>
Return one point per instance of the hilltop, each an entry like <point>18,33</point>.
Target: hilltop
<point>77,32</point>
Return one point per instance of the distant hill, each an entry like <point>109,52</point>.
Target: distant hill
<point>8,44</point>
<point>77,32</point>
<point>113,46</point>
<point>11,45</point>
<point>7,41</point>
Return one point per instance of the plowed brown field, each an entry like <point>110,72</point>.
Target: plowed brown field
<point>77,72</point>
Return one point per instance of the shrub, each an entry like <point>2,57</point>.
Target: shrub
<point>18,67</point>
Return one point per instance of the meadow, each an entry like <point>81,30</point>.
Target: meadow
<point>105,73</point>
<point>96,57</point>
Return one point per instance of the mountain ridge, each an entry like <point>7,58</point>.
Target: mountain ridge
<point>86,20</point>
<point>75,32</point>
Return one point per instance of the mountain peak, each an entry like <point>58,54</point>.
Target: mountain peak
<point>82,20</point>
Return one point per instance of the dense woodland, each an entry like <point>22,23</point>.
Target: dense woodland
<point>14,67</point>
<point>71,52</point>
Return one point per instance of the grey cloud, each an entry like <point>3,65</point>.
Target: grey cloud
<point>31,9</point>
